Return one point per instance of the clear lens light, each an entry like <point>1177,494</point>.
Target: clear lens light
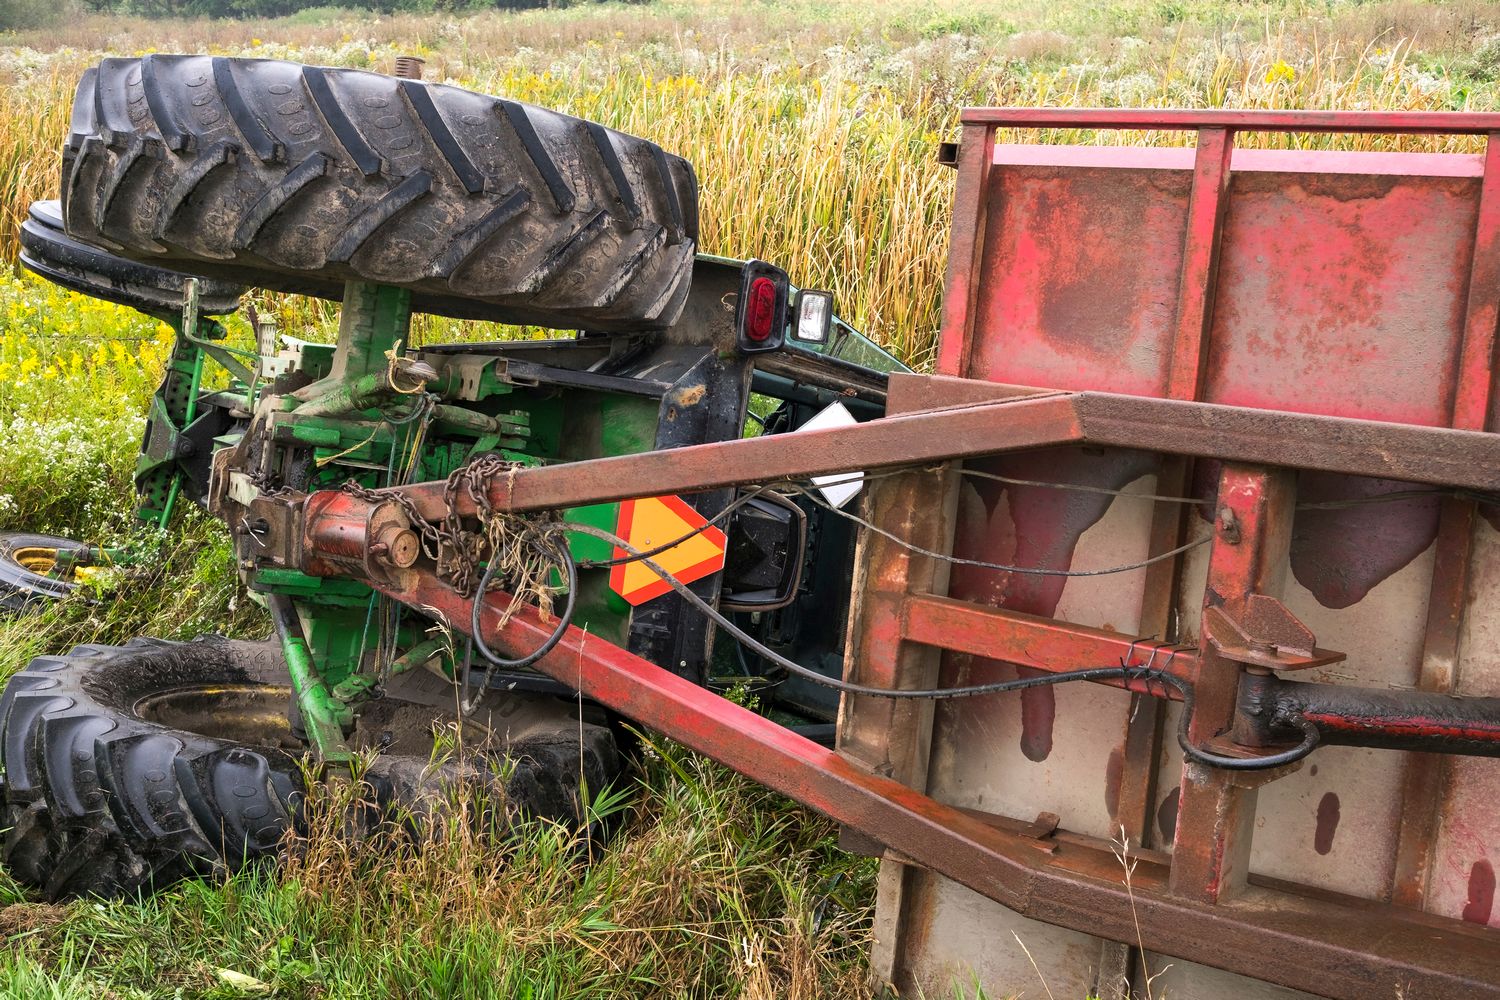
<point>814,315</point>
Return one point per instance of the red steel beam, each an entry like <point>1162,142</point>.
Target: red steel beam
<point>1343,948</point>
<point>1200,261</point>
<point>1141,738</point>
<point>1375,448</point>
<point>1232,433</point>
<point>1038,643</point>
<point>1216,813</point>
<point>1369,122</point>
<point>1424,782</point>
<point>903,440</point>
<point>966,250</point>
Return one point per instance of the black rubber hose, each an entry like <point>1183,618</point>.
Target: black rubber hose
<point>559,550</point>
<point>1121,672</point>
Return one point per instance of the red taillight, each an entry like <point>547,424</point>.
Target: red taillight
<point>760,311</point>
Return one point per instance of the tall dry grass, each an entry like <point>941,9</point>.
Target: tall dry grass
<point>814,126</point>
<point>33,118</point>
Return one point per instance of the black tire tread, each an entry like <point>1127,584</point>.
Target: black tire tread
<point>101,802</point>
<point>48,251</point>
<point>301,178</point>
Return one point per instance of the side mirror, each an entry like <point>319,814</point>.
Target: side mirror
<point>767,547</point>
<point>760,313</point>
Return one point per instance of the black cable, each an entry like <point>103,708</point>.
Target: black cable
<point>640,556</point>
<point>1080,488</point>
<point>1311,736</point>
<point>559,550</point>
<point>733,506</point>
<point>1126,672</point>
<point>848,687</point>
<point>1000,567</point>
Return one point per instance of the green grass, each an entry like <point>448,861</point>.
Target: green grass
<point>813,125</point>
<point>712,887</point>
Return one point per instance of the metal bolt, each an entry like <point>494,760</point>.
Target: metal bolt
<point>409,67</point>
<point>1229,526</point>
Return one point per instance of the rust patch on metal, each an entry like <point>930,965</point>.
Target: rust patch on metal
<point>1328,823</point>
<point>691,395</point>
<point>1341,554</point>
<point>1114,769</point>
<point>1056,310</point>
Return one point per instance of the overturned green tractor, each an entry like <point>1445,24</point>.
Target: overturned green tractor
<point>188,178</point>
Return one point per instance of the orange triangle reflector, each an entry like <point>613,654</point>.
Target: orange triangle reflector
<point>653,521</point>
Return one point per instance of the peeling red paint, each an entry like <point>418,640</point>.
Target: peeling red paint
<point>1343,553</point>
<point>1328,823</point>
<point>1481,893</point>
<point>1038,714</point>
<point>1034,526</point>
<point>1114,769</point>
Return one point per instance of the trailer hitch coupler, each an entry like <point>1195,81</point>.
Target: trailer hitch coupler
<point>343,533</point>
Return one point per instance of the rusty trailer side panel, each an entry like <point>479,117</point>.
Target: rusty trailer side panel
<point>1350,285</point>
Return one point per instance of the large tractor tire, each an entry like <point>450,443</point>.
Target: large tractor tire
<point>48,251</point>
<point>129,767</point>
<point>301,178</point>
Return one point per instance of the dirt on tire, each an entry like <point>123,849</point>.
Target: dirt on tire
<point>48,251</point>
<point>300,178</point>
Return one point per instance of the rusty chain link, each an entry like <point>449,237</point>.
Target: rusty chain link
<point>458,552</point>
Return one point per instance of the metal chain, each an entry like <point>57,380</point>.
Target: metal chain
<point>459,552</point>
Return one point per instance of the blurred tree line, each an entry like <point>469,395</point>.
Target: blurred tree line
<point>30,13</point>
<point>280,8</point>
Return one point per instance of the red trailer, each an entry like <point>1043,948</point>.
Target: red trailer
<point>1219,423</point>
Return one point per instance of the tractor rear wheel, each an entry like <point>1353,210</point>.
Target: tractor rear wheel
<point>300,178</point>
<point>129,767</point>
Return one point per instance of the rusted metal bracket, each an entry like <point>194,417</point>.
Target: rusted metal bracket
<point>1258,630</point>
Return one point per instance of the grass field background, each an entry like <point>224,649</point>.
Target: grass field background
<point>813,127</point>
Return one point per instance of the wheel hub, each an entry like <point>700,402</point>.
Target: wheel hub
<point>244,713</point>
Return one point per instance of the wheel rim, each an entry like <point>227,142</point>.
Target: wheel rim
<point>38,559</point>
<point>244,713</point>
